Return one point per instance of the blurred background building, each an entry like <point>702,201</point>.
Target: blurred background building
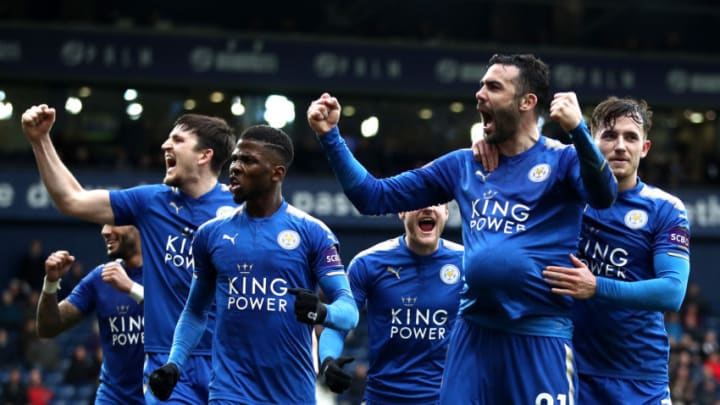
<point>406,73</point>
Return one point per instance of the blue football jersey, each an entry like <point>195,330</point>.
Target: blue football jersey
<point>516,220</point>
<point>261,353</point>
<point>167,219</point>
<point>620,242</point>
<point>412,302</point>
<point>121,324</point>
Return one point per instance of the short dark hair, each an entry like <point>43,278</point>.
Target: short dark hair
<point>212,133</point>
<point>613,108</point>
<point>274,138</point>
<point>534,76</point>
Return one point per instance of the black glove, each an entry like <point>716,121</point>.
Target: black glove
<point>308,307</point>
<point>163,381</point>
<point>335,378</point>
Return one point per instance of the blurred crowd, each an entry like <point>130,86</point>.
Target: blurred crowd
<point>41,371</point>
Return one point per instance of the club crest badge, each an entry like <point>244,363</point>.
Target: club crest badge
<point>539,173</point>
<point>450,274</point>
<point>288,239</point>
<point>636,219</point>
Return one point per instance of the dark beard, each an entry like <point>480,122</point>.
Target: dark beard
<point>505,127</point>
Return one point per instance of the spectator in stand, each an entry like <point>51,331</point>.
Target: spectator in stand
<point>83,369</point>
<point>10,312</point>
<point>39,352</point>
<point>9,354</point>
<point>32,265</point>
<point>14,391</point>
<point>37,392</point>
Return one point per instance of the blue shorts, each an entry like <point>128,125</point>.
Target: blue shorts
<point>605,390</point>
<point>191,389</point>
<point>486,366</point>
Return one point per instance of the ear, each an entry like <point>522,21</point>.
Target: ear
<point>528,102</point>
<point>645,148</point>
<point>278,173</point>
<point>206,156</point>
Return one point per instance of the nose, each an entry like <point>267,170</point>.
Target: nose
<point>106,230</point>
<point>620,144</point>
<point>479,95</point>
<point>165,145</point>
<point>234,167</point>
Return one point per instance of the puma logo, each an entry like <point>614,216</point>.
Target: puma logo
<point>230,238</point>
<point>394,271</point>
<point>482,175</point>
<point>177,207</point>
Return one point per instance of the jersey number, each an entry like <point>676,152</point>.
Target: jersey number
<point>547,399</point>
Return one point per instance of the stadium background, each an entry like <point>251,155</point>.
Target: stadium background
<point>119,76</point>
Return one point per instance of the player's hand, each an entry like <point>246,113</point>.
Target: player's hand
<point>163,381</point>
<point>487,154</point>
<point>57,264</point>
<point>37,121</point>
<point>114,274</point>
<point>308,307</point>
<point>335,378</point>
<point>323,114</point>
<point>565,109</point>
<point>576,282</point>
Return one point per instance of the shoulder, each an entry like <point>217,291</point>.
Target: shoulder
<point>451,159</point>
<point>661,197</point>
<point>93,276</point>
<point>453,246</point>
<point>149,189</point>
<point>295,213</point>
<point>554,145</point>
<point>390,245</point>
<point>220,221</point>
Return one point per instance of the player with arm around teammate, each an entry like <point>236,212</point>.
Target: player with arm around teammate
<point>411,285</point>
<point>632,265</point>
<point>253,263</point>
<point>512,338</point>
<point>114,292</point>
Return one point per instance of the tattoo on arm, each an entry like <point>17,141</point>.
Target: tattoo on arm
<point>53,318</point>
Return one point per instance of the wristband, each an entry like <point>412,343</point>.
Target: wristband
<point>50,287</point>
<point>137,293</point>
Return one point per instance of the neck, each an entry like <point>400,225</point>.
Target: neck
<point>200,187</point>
<point>421,249</point>
<point>524,138</point>
<point>265,206</point>
<point>627,183</point>
<point>133,262</point>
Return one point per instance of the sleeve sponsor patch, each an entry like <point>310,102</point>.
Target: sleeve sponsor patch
<point>332,257</point>
<point>679,236</point>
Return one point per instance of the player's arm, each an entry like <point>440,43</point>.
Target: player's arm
<point>597,177</point>
<point>342,312</point>
<point>188,333</point>
<point>64,189</point>
<point>52,318</point>
<point>663,293</point>
<point>193,320</point>
<point>114,274</point>
<point>330,350</point>
<point>405,192</point>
